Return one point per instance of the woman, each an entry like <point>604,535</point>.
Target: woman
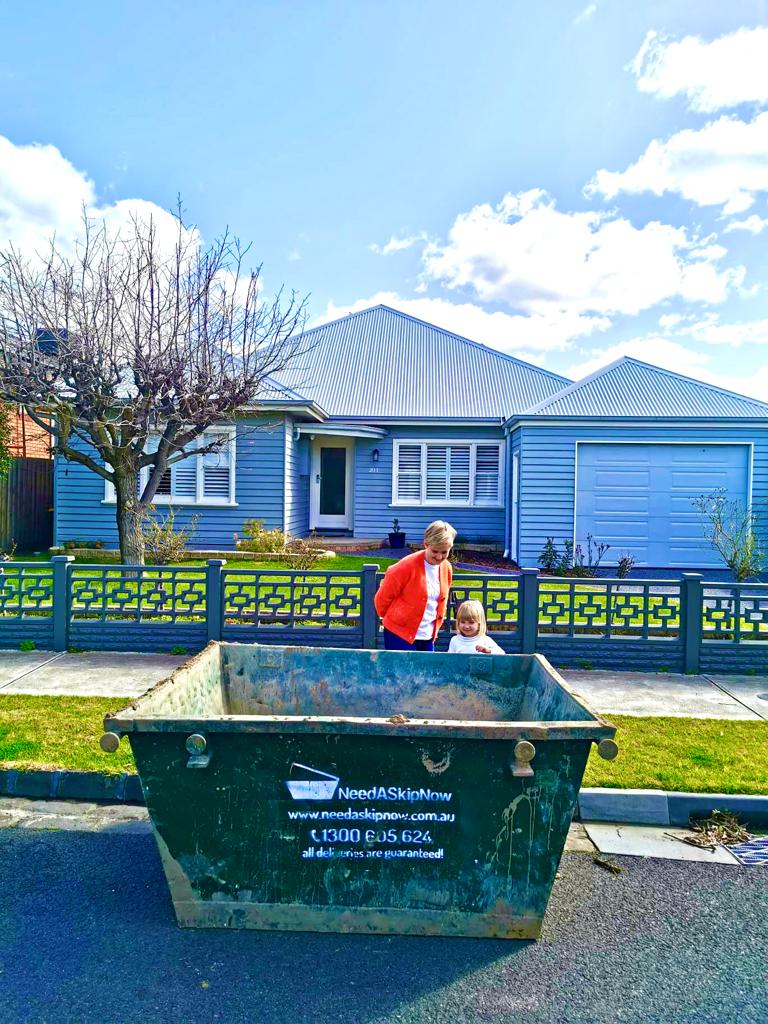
<point>413,596</point>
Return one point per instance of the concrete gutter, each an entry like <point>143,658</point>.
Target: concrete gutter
<point>628,806</point>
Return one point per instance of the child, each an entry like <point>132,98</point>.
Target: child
<point>470,637</point>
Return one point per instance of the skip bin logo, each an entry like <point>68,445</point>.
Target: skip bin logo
<point>322,787</point>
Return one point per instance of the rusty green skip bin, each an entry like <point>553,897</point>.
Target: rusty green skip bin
<point>380,792</point>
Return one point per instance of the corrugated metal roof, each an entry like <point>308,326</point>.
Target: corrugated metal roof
<point>629,387</point>
<point>384,364</point>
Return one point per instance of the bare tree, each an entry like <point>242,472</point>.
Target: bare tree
<point>150,343</point>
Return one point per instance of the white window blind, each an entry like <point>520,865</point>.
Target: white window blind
<point>408,487</point>
<point>437,472</point>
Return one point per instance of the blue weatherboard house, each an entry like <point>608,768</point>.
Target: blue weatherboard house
<point>390,417</point>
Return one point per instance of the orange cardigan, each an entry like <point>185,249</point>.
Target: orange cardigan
<point>401,600</point>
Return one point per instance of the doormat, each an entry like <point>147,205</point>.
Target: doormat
<point>753,852</point>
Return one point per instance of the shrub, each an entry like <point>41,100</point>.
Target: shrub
<point>164,543</point>
<point>549,556</point>
<point>573,561</point>
<point>27,645</point>
<point>259,539</point>
<point>304,554</point>
<point>178,650</point>
<point>625,565</point>
<point>730,527</point>
<point>589,564</point>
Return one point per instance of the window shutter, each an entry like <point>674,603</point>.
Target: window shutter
<point>185,479</point>
<point>216,467</point>
<point>437,472</point>
<point>487,474</point>
<point>458,484</point>
<point>409,473</point>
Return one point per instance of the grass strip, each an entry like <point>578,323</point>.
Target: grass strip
<point>688,755</point>
<point>59,732</point>
<point>696,755</point>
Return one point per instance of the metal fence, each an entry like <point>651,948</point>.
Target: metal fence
<point>685,625</point>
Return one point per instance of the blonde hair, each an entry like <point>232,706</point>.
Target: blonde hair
<point>439,533</point>
<point>471,611</point>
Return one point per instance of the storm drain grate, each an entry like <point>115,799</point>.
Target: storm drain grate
<point>753,852</point>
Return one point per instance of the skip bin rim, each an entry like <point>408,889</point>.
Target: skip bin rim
<point>130,719</point>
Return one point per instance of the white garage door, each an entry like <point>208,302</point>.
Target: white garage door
<point>639,498</point>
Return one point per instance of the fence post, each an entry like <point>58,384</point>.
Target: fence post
<point>60,565</point>
<point>214,605</point>
<point>691,619</point>
<point>368,618</point>
<point>528,613</point>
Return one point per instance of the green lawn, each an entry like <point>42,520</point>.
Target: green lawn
<point>679,754</point>
<point>689,755</point>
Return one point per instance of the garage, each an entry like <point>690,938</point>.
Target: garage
<point>639,498</point>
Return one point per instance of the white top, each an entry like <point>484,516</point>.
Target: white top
<point>427,627</point>
<point>466,644</point>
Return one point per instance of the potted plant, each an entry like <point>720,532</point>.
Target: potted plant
<point>397,536</point>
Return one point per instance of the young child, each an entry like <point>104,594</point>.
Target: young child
<point>470,636</point>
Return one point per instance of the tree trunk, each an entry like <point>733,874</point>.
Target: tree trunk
<point>130,517</point>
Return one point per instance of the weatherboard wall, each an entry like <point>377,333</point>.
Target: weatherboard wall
<point>548,471</point>
<point>296,482</point>
<point>81,512</point>
<point>373,506</point>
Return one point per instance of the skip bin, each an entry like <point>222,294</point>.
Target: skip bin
<point>361,791</point>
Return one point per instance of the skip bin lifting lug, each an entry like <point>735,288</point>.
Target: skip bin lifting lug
<point>109,742</point>
<point>196,746</point>
<point>607,749</point>
<point>524,754</point>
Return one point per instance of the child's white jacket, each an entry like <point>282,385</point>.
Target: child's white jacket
<point>466,644</point>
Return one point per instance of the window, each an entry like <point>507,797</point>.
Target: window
<point>447,473</point>
<point>207,479</point>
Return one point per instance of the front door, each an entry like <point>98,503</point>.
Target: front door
<point>331,484</point>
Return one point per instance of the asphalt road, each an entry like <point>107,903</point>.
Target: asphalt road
<point>87,934</point>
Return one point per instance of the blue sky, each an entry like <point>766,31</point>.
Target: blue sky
<point>567,182</point>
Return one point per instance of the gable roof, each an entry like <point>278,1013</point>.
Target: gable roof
<point>384,364</point>
<point>629,387</point>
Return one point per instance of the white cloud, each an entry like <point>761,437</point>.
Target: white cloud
<point>513,334</point>
<point>42,194</point>
<point>735,334</point>
<point>669,320</point>
<point>752,223</point>
<point>724,163</point>
<point>713,76</point>
<point>530,256</point>
<point>586,15</point>
<point>397,244</point>
<point>669,355</point>
<point>294,256</point>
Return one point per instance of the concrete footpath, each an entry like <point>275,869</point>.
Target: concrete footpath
<point>610,693</point>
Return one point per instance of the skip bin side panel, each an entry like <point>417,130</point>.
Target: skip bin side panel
<point>418,835</point>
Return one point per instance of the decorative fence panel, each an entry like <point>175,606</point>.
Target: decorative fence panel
<point>150,608</point>
<point>289,607</point>
<point>26,604</point>
<point>735,627</point>
<point>683,625</point>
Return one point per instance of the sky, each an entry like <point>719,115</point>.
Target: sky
<point>567,182</point>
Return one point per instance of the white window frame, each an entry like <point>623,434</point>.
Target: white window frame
<point>447,502</point>
<point>200,500</point>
